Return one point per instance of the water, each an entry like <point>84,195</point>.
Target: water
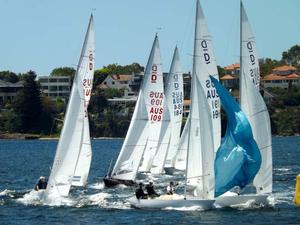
<point>22,162</point>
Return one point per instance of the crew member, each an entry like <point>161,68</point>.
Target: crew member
<point>42,184</point>
<point>139,192</point>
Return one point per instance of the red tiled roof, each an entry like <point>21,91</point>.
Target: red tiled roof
<point>227,77</point>
<point>102,86</point>
<point>121,77</point>
<point>277,77</point>
<point>284,68</point>
<point>232,66</point>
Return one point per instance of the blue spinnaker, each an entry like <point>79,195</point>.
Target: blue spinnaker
<point>238,158</point>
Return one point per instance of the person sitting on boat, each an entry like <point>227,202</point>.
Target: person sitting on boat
<point>42,184</point>
<point>139,192</point>
<point>171,188</point>
<point>150,190</point>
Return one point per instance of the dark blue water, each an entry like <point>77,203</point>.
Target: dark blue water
<point>22,162</point>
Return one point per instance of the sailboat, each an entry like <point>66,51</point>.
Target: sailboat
<point>68,156</point>
<point>254,107</point>
<point>141,141</point>
<point>199,182</point>
<point>171,123</point>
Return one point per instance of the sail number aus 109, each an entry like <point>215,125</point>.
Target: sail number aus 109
<point>156,110</point>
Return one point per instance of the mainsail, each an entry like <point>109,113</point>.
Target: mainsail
<point>171,123</point>
<point>254,106</point>
<point>200,153</point>
<point>142,134</point>
<point>87,71</point>
<point>207,66</point>
<point>71,138</point>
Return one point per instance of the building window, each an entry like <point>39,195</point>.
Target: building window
<point>113,83</point>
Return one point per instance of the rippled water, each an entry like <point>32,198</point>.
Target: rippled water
<point>22,162</point>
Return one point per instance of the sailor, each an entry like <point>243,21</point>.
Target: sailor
<point>42,184</point>
<point>139,192</point>
<point>150,190</point>
<point>171,188</point>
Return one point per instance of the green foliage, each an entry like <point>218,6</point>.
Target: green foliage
<point>47,115</point>
<point>292,56</point>
<point>28,105</point>
<point>9,76</point>
<point>113,92</point>
<point>221,71</point>
<point>118,69</point>
<point>99,76</point>
<point>267,65</point>
<point>63,71</point>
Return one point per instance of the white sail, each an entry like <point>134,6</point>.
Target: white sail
<point>200,158</point>
<point>87,70</point>
<point>205,58</point>
<point>85,157</point>
<point>200,153</point>
<point>142,132</point>
<point>71,138</point>
<point>171,124</point>
<point>207,66</point>
<point>153,92</point>
<point>254,106</point>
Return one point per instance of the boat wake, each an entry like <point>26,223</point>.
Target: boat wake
<point>96,195</point>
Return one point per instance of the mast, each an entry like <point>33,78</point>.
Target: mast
<point>241,57</point>
<point>192,91</point>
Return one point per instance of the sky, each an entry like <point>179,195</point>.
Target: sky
<point>41,35</point>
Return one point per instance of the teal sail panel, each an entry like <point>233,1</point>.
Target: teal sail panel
<point>238,158</point>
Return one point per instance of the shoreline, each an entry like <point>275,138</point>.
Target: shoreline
<point>20,136</point>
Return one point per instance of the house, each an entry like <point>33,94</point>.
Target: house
<point>282,77</point>
<point>55,86</point>
<point>119,81</point>
<point>9,90</point>
<point>231,78</point>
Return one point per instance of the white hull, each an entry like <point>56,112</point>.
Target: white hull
<point>235,200</point>
<point>170,203</point>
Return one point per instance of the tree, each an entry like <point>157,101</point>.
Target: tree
<point>267,65</point>
<point>99,76</point>
<point>47,115</point>
<point>292,56</point>
<point>9,76</point>
<point>28,105</point>
<point>63,71</point>
<point>221,71</point>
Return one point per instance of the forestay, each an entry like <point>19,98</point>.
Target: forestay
<point>254,106</point>
<point>71,138</point>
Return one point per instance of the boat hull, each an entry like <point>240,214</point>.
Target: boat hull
<point>234,200</point>
<point>170,203</point>
<point>111,182</point>
<point>170,170</point>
